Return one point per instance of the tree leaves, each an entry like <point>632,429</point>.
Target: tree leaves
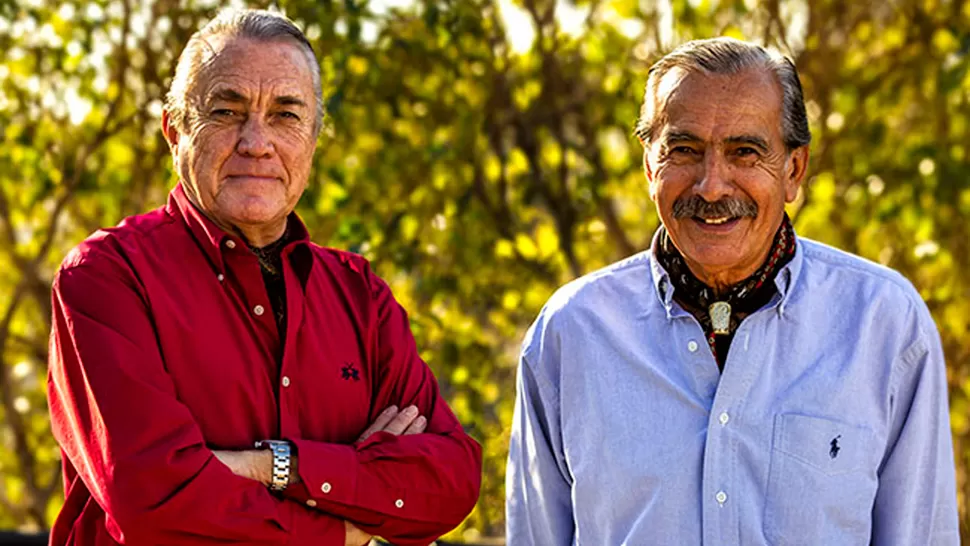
<point>480,160</point>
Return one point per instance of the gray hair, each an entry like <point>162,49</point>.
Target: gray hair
<point>254,24</point>
<point>729,56</point>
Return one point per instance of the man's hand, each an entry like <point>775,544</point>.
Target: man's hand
<point>354,536</point>
<point>397,422</point>
<point>253,464</point>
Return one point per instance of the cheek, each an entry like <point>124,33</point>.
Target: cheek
<point>669,181</point>
<point>297,154</point>
<point>212,143</point>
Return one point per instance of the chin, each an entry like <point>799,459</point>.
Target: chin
<point>256,215</point>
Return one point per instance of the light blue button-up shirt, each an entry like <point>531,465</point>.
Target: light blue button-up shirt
<point>829,425</point>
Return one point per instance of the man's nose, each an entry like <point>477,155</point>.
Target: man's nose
<point>715,181</point>
<point>255,139</point>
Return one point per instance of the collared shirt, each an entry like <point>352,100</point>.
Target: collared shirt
<point>744,298</point>
<point>829,424</point>
<point>164,347</point>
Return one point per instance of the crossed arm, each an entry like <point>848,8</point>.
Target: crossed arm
<point>257,465</point>
<point>141,455</point>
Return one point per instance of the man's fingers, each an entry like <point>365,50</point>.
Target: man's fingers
<point>354,536</point>
<point>378,425</point>
<point>417,426</point>
<point>402,421</point>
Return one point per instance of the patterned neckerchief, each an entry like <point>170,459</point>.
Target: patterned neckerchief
<point>745,297</point>
<point>271,266</point>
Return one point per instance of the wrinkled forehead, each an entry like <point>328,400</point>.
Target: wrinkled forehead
<point>248,66</point>
<point>748,102</point>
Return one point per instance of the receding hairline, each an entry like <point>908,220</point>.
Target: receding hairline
<point>211,45</point>
<point>254,25</point>
<point>216,45</point>
<point>665,90</point>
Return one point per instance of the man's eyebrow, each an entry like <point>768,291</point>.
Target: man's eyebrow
<point>752,140</point>
<point>227,95</point>
<point>289,100</point>
<point>680,136</point>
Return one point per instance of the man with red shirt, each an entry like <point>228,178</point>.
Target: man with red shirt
<point>215,377</point>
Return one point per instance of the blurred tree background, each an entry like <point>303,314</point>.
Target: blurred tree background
<point>480,153</point>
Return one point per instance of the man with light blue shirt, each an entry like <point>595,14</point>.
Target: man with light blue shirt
<point>734,384</point>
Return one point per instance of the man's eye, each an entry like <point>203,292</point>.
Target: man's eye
<point>289,115</point>
<point>683,150</point>
<point>746,151</point>
<point>223,112</point>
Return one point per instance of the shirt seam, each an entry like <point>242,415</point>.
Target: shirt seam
<point>820,253</point>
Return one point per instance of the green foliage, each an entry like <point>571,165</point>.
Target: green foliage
<point>480,153</point>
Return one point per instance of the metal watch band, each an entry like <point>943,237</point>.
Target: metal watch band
<point>281,462</point>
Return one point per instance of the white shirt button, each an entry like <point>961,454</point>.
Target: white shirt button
<point>724,418</point>
<point>325,487</point>
<point>399,503</point>
<point>258,310</point>
<point>311,503</point>
<point>692,346</point>
<point>221,277</point>
<point>721,497</point>
<point>286,383</point>
<point>230,244</point>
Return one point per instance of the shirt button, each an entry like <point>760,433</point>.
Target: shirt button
<point>221,277</point>
<point>230,244</point>
<point>311,503</point>
<point>721,497</point>
<point>258,310</point>
<point>399,503</point>
<point>692,346</point>
<point>286,383</point>
<point>724,418</point>
<point>325,487</point>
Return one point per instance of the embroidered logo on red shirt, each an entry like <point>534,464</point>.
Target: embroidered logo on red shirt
<point>349,372</point>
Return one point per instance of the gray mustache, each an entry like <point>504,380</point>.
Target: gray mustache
<point>695,205</point>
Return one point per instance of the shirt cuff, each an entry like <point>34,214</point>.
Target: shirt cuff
<point>328,471</point>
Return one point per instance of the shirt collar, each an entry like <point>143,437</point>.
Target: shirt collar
<point>662,284</point>
<point>213,240</point>
<point>786,278</point>
<point>664,288</point>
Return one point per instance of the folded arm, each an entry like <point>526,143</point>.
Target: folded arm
<point>409,488</point>
<point>135,446</point>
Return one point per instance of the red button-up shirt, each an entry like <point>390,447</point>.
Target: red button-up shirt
<point>164,347</point>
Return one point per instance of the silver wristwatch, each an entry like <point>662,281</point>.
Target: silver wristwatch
<point>281,462</point>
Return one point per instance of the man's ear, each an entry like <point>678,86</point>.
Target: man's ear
<point>170,131</point>
<point>795,169</point>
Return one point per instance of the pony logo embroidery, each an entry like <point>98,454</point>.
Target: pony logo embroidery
<point>834,447</point>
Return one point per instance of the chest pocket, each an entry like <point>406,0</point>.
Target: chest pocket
<point>821,482</point>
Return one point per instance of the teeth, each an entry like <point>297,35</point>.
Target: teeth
<point>715,221</point>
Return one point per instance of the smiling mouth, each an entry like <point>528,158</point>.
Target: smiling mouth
<point>716,221</point>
